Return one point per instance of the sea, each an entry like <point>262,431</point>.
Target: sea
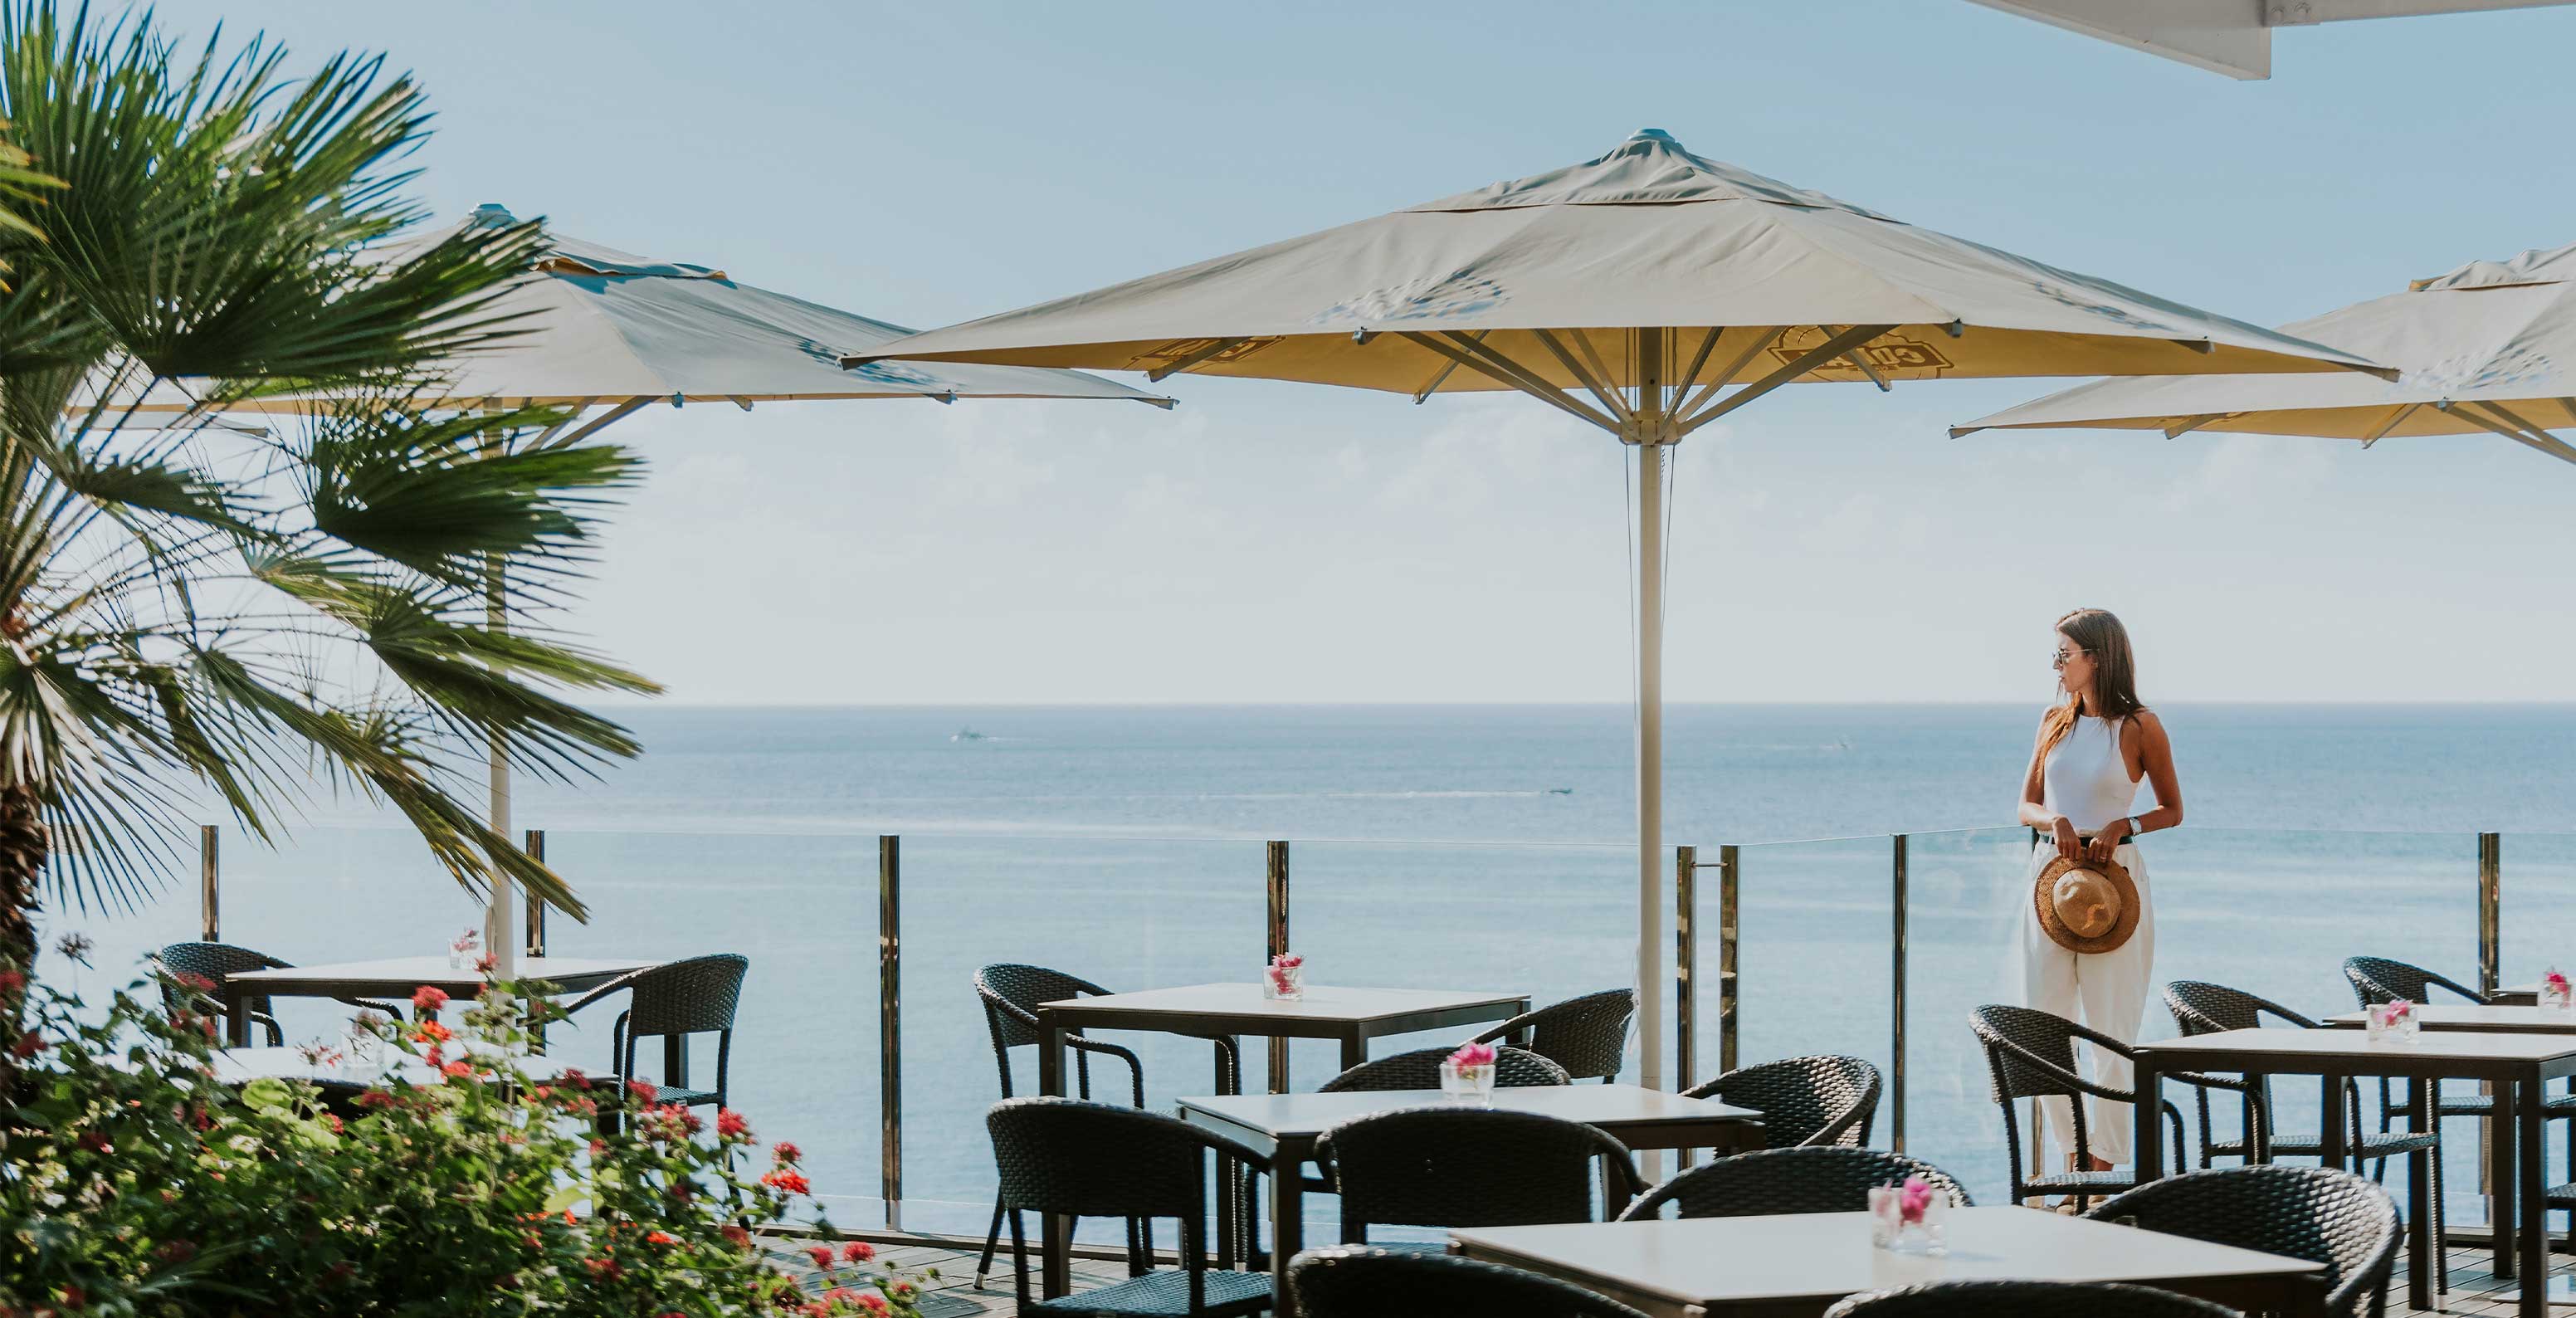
<point>1447,846</point>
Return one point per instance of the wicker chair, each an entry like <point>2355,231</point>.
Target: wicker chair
<point>1381,1283</point>
<point>1011,995</point>
<point>217,960</point>
<point>673,1001</point>
<point>1420,1069</point>
<point>1820,1178</point>
<point>2031,1054</point>
<point>2201,1008</point>
<point>2026,1299</point>
<point>2377,979</point>
<point>2315,1213</point>
<point>1465,1166</point>
<point>1823,1099</point>
<point>1063,1155</point>
<point>1588,1036</point>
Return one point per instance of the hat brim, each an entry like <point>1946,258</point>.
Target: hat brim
<point>2109,940</point>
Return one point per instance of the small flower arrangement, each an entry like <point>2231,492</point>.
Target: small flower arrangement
<point>1468,1074</point>
<point>1906,1217</point>
<point>2394,1020</point>
<point>1285,980</point>
<point>463,951</point>
<point>2554,993</point>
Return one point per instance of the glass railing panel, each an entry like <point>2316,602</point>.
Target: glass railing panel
<point>2537,886</point>
<point>1127,914</point>
<point>1813,965</point>
<point>1967,894</point>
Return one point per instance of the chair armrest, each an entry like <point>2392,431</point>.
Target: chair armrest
<point>2025,1057</point>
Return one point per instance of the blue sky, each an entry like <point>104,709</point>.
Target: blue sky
<point>929,163</point>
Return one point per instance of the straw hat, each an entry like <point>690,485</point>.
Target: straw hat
<point>2086,905</point>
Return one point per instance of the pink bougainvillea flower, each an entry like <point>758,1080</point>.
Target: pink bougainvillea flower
<point>858,1251</point>
<point>785,1153</point>
<point>1913,1198</point>
<point>1288,960</point>
<point>1473,1054</point>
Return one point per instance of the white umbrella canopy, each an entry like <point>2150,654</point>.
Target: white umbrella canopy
<point>2488,348</point>
<point>1630,291</point>
<point>602,328</point>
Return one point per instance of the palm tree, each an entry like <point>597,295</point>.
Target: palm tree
<point>194,609</point>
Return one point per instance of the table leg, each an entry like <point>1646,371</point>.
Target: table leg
<point>1287,1222</point>
<point>675,1061</point>
<point>2531,1151</point>
<point>2147,1140</point>
<point>236,1021</point>
<point>1228,1175</point>
<point>1055,1229</point>
<point>1354,1050</point>
<point>2503,1175</point>
<point>2423,1265</point>
<point>2330,1121</point>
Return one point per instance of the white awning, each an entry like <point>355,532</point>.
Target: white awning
<point>2233,37</point>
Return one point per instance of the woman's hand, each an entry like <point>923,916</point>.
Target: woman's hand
<point>2067,845</point>
<point>2106,841</point>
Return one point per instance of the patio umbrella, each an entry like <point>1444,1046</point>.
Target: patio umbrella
<point>2488,348</point>
<point>610,333</point>
<point>1628,291</point>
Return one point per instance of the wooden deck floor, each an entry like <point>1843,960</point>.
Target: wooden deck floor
<point>953,1294</point>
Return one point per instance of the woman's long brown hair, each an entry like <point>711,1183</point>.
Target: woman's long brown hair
<point>2115,673</point>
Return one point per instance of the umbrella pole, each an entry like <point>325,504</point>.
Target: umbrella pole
<point>500,933</point>
<point>1654,431</point>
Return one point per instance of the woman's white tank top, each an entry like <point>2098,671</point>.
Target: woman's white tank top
<point>2085,778</point>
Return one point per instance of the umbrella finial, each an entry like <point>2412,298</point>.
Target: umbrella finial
<point>492,213</point>
<point>1654,135</point>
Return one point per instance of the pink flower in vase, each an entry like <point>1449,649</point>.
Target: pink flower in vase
<point>1913,1199</point>
<point>466,942</point>
<point>1287,961</point>
<point>1472,1054</point>
<point>2398,1010</point>
<point>2555,983</point>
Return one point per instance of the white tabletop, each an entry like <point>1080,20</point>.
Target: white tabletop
<point>2526,1020</point>
<point>1321,1003</point>
<point>1300,1116</point>
<point>398,976</point>
<point>1717,1261</point>
<point>2440,1045</point>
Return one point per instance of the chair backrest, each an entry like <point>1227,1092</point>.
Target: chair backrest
<point>1588,1036</point>
<point>2026,1299</point>
<point>2049,1038</point>
<point>1420,1069</point>
<point>1466,1166</point>
<point>1824,1099</point>
<point>2330,1217</point>
<point>2201,1008</point>
<point>1378,1283</point>
<point>1012,993</point>
<point>1821,1178</point>
<point>1064,1155</point>
<point>692,996</point>
<point>2376,979</point>
<point>214,961</point>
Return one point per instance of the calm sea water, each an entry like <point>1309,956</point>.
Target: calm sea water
<point>1460,847</point>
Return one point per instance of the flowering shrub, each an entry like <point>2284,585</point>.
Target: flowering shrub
<point>134,1183</point>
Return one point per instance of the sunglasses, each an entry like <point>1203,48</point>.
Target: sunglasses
<point>2058,660</point>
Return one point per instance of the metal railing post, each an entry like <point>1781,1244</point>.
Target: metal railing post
<point>1729,880</point>
<point>210,925</point>
<point>536,940</point>
<point>890,1022</point>
<point>2490,913</point>
<point>1685,963</point>
<point>1896,1002</point>
<point>1275,927</point>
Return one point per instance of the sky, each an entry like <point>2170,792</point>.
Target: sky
<point>1264,542</point>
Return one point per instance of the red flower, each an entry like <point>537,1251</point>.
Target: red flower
<point>75,1298</point>
<point>816,1309</point>
<point>458,1070</point>
<point>189,979</point>
<point>874,1303</point>
<point>428,997</point>
<point>575,1078</point>
<point>642,1090</point>
<point>822,1256</point>
<point>858,1251</point>
<point>11,981</point>
<point>28,1045</point>
<point>434,1057</point>
<point>733,1232</point>
<point>661,1238</point>
<point>786,1153</point>
<point>375,1098</point>
<point>902,1290</point>
<point>787,1180</point>
<point>603,1267</point>
<point>176,1251</point>
<point>96,1142</point>
<point>483,964</point>
<point>730,1124</point>
<point>598,1147</point>
<point>431,1032</point>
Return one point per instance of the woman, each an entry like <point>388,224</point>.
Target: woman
<point>2084,772</point>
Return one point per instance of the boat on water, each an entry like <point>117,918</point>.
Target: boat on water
<point>966,734</point>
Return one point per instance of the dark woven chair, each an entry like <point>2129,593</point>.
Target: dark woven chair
<point>1823,1099</point>
<point>2315,1213</point>
<point>1381,1283</point>
<point>2202,1008</point>
<point>1067,1156</point>
<point>1011,994</point>
<point>2031,1054</point>
<point>1588,1036</point>
<point>1420,1069</point>
<point>672,1001</point>
<point>217,960</point>
<point>2026,1299</point>
<point>1820,1178</point>
<point>1454,1166</point>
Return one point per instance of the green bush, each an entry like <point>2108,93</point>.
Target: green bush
<point>134,1183</point>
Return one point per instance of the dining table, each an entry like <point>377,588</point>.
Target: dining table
<point>395,979</point>
<point>1286,1127</point>
<point>1798,1265</point>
